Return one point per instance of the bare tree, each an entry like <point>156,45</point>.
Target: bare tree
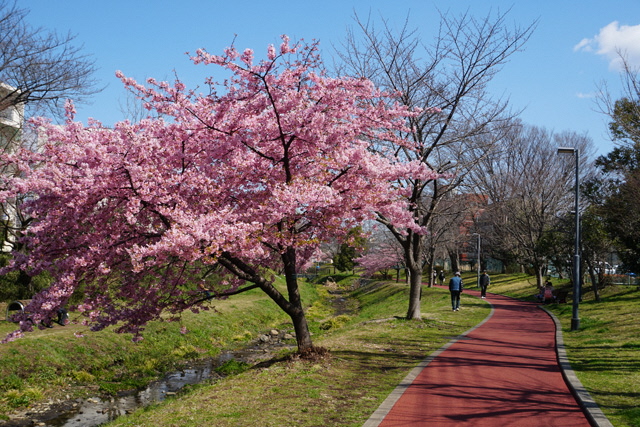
<point>530,188</point>
<point>42,68</point>
<point>451,74</point>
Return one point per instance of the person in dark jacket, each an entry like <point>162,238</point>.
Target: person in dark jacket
<point>455,287</point>
<point>484,284</point>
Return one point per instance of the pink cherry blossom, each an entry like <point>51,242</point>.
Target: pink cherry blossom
<point>231,186</point>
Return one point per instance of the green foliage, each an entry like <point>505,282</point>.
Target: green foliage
<point>335,322</point>
<point>18,398</point>
<point>621,214</point>
<point>344,259</point>
<point>18,285</point>
<point>616,194</point>
<point>11,382</point>
<point>187,351</point>
<point>83,376</point>
<point>625,124</point>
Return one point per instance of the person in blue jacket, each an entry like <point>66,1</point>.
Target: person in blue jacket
<point>455,287</point>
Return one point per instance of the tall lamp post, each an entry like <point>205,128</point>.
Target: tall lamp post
<point>478,278</point>
<point>575,319</point>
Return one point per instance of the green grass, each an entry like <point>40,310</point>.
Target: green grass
<point>604,352</point>
<point>51,360</point>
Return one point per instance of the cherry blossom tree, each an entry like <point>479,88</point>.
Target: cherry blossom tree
<point>227,189</point>
<point>383,253</point>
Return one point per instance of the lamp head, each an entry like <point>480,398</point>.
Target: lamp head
<point>567,150</point>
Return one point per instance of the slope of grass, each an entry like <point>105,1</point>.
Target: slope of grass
<point>53,362</point>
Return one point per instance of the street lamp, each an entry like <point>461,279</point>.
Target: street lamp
<point>478,278</point>
<point>575,320</point>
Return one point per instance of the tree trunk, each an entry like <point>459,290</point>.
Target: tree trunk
<point>455,262</point>
<point>539,269</point>
<point>433,274</point>
<point>303,336</point>
<point>292,306</point>
<point>415,292</point>
<point>294,309</point>
<point>595,279</point>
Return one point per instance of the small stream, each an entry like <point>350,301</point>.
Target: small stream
<point>96,411</point>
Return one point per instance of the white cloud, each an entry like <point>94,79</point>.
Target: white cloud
<point>613,40</point>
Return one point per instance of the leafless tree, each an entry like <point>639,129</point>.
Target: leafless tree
<point>42,68</point>
<point>452,74</point>
<point>530,187</point>
<point>624,108</point>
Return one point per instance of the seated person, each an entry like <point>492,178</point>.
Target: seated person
<point>549,297</point>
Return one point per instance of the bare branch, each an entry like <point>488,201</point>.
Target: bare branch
<point>43,68</point>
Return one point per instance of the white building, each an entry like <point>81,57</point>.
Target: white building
<point>11,123</point>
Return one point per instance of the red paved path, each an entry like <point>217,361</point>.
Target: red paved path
<point>503,373</point>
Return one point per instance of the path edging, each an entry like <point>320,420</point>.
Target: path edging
<point>590,408</point>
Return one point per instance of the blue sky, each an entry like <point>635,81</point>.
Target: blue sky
<point>554,79</point>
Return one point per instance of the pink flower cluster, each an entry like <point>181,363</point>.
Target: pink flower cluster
<point>275,161</point>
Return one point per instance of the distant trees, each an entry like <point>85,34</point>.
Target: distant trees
<point>349,250</point>
<point>450,73</point>
<point>383,253</point>
<point>529,187</point>
<point>616,193</point>
<point>240,183</point>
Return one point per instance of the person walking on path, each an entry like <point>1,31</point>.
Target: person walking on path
<point>504,372</point>
<point>441,277</point>
<point>455,287</point>
<point>484,284</point>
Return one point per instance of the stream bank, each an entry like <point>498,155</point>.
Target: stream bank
<point>94,411</point>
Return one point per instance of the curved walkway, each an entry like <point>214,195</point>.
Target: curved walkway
<point>503,372</point>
